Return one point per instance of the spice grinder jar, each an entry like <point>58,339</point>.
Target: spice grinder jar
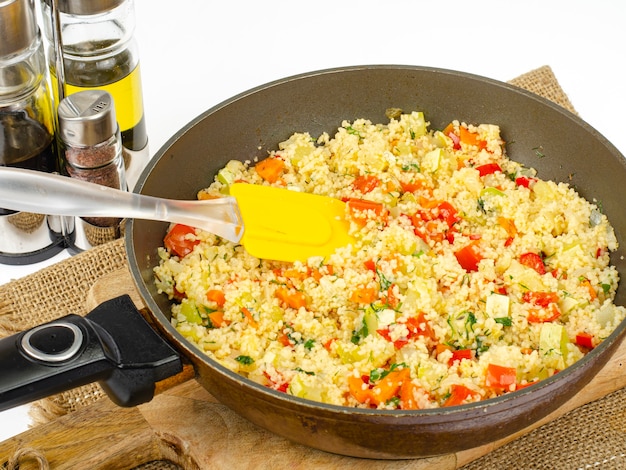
<point>26,132</point>
<point>91,150</point>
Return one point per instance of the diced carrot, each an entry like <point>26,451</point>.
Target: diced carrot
<point>449,129</point>
<point>270,169</point>
<point>459,394</point>
<point>408,391</point>
<point>364,295</point>
<point>217,319</point>
<point>253,323</point>
<point>543,315</point>
<point>508,225</point>
<point>501,377</point>
<point>389,386</point>
<point>412,186</point>
<point>359,209</point>
<point>366,183</point>
<point>441,347</point>
<point>204,196</point>
<point>282,294</point>
<point>593,295</point>
<point>328,344</point>
<point>217,296</point>
<point>471,138</point>
<point>359,389</point>
<point>283,339</point>
<point>292,299</point>
<point>296,300</point>
<point>295,274</point>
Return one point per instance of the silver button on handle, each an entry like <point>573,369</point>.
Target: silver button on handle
<point>53,343</point>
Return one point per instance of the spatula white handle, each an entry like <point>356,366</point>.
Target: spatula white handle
<point>33,191</point>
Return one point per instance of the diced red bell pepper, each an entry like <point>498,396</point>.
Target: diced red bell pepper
<point>469,257</point>
<point>501,377</point>
<point>460,354</point>
<point>524,181</point>
<point>488,169</point>
<point>534,261</point>
<point>180,240</point>
<point>448,213</point>
<point>542,299</point>
<point>585,340</point>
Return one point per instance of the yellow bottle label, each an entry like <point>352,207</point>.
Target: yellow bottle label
<point>126,93</point>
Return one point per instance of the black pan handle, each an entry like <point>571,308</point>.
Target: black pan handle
<point>113,345</point>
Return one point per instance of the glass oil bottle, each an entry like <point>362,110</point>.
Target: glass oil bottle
<point>100,52</point>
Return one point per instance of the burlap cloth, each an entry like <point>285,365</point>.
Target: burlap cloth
<point>592,436</point>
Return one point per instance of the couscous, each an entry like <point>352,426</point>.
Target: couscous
<point>469,276</point>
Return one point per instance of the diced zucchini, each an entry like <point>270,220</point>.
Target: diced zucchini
<point>370,319</point>
<point>299,388</point>
<point>430,161</point>
<point>498,305</point>
<point>225,176</point>
<point>553,342</point>
<point>190,311</point>
<point>491,191</point>
<point>385,318</point>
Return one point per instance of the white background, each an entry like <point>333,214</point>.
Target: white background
<point>197,53</point>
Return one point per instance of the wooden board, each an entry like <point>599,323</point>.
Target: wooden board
<point>187,426</point>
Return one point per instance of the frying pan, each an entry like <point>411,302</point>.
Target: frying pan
<point>539,134</point>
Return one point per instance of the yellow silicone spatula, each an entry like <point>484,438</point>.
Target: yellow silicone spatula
<point>271,223</point>
<point>288,225</point>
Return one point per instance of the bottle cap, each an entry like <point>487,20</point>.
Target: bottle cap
<point>87,118</point>
<point>82,7</point>
<point>18,26</point>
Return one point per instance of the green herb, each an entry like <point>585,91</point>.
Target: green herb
<point>309,344</point>
<point>307,372</point>
<point>606,288</point>
<point>376,374</point>
<point>352,131</point>
<point>480,347</point>
<point>383,281</point>
<point>245,360</point>
<point>539,151</point>
<point>481,205</point>
<point>504,321</point>
<point>359,334</point>
<point>395,401</point>
<point>411,167</point>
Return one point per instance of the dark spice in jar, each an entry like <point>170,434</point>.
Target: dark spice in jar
<point>91,157</point>
<point>110,175</point>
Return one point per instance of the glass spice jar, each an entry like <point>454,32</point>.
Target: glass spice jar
<point>91,150</point>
